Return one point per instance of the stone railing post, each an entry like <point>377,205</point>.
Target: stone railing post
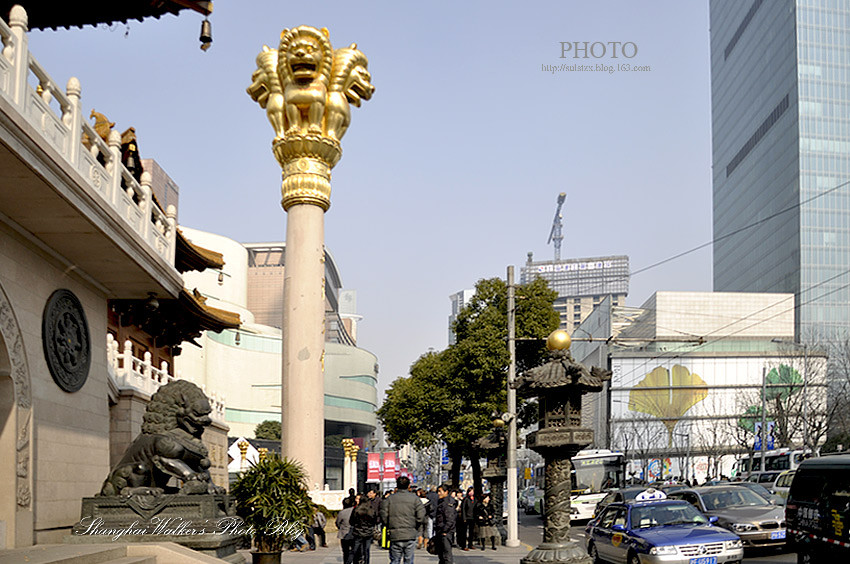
<point>114,167</point>
<point>145,204</point>
<point>19,23</point>
<point>127,361</point>
<point>146,368</point>
<point>75,125</point>
<point>171,236</point>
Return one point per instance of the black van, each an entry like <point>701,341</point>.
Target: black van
<point>817,512</point>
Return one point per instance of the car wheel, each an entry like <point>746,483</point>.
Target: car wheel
<point>594,554</point>
<point>634,558</point>
<point>805,558</point>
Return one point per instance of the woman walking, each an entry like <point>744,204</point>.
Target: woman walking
<point>345,534</point>
<point>363,521</point>
<point>484,523</point>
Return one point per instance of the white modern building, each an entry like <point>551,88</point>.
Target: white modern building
<point>689,371</point>
<point>246,362</point>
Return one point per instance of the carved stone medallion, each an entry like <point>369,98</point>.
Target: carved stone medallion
<point>66,340</point>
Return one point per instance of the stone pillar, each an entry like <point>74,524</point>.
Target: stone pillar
<point>303,386</point>
<point>309,117</point>
<point>346,464</point>
<point>353,472</point>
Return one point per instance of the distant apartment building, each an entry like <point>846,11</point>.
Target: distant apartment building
<point>581,283</point>
<point>265,292</point>
<point>459,301</point>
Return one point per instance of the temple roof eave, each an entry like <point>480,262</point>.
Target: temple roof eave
<point>189,256</point>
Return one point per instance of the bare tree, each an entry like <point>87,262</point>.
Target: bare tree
<point>638,437</point>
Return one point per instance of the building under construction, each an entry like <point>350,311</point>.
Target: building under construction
<point>581,283</point>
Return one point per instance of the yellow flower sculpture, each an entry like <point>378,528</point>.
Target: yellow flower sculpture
<point>668,395</point>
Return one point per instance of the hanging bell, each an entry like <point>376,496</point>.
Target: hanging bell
<point>206,34</point>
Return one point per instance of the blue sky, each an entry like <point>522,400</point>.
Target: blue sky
<point>451,172</point>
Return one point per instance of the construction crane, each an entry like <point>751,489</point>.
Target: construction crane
<point>555,234</point>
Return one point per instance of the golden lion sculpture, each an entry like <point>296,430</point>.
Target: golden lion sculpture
<point>350,83</point>
<point>306,87</point>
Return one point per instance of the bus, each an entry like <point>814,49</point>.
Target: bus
<point>774,460</point>
<point>595,471</point>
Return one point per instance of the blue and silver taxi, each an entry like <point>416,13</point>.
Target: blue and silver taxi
<point>653,529</point>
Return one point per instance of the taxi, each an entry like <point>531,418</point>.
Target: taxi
<point>653,529</point>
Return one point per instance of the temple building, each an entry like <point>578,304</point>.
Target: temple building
<point>93,308</point>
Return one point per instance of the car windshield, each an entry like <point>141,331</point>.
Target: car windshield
<point>759,489</point>
<point>731,497</point>
<point>664,515</point>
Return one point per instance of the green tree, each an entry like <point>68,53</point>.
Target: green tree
<point>268,429</point>
<point>451,395</point>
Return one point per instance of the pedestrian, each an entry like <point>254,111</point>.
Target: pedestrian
<point>308,532</point>
<point>460,527</point>
<point>404,516</point>
<point>467,514</point>
<point>445,519</point>
<point>363,521</point>
<point>344,532</point>
<point>318,525</point>
<point>485,526</point>
<point>384,537</point>
<point>433,500</point>
<point>352,496</point>
<point>424,533</point>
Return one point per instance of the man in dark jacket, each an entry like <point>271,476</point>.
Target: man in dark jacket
<point>444,524</point>
<point>404,516</point>
<point>467,514</point>
<point>362,523</point>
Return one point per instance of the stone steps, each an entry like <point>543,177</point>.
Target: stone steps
<point>141,553</point>
<point>63,554</point>
<point>134,560</point>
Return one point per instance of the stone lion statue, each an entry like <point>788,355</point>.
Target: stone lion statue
<point>169,446</point>
<point>350,83</point>
<point>304,64</point>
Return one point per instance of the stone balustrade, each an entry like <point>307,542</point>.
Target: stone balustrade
<point>128,371</point>
<point>58,119</point>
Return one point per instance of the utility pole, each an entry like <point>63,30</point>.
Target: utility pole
<point>805,397</point>
<point>513,525</point>
<point>763,416</point>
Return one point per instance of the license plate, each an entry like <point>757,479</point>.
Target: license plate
<point>703,560</point>
<point>777,535</point>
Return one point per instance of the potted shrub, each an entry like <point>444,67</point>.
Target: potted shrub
<point>272,498</point>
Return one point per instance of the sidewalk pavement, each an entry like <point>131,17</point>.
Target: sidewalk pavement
<point>333,555</point>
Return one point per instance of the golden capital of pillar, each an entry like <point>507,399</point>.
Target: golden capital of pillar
<point>347,446</point>
<point>307,88</point>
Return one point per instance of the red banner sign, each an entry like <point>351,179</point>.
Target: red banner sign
<point>373,468</point>
<point>390,466</point>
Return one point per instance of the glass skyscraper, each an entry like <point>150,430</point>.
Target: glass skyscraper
<point>780,97</point>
